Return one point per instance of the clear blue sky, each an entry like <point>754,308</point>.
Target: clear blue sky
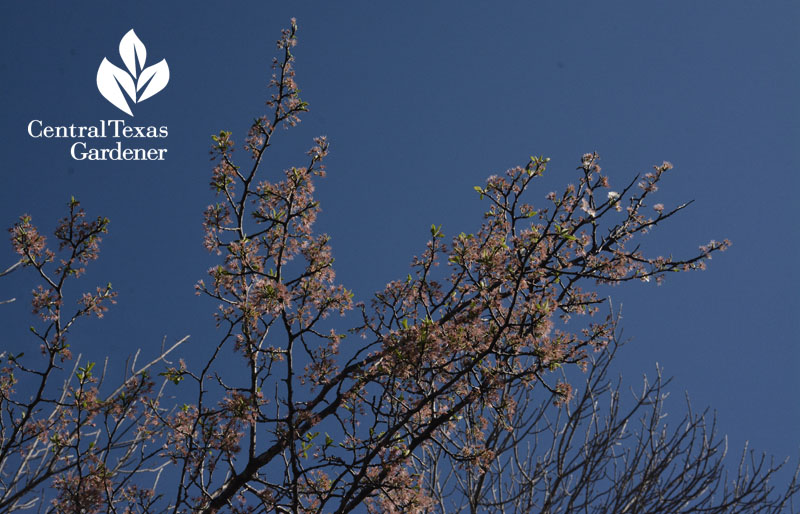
<point>421,102</point>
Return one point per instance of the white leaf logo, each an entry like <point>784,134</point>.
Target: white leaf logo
<point>130,47</point>
<point>139,83</point>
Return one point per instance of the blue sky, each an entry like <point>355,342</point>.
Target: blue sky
<point>422,101</point>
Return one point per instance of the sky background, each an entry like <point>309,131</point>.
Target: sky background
<point>421,101</point>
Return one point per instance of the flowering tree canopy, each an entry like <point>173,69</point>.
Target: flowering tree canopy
<point>454,391</point>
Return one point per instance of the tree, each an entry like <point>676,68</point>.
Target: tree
<point>458,399</point>
<point>597,454</point>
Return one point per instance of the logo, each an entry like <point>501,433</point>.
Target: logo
<point>113,81</point>
<point>116,140</point>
